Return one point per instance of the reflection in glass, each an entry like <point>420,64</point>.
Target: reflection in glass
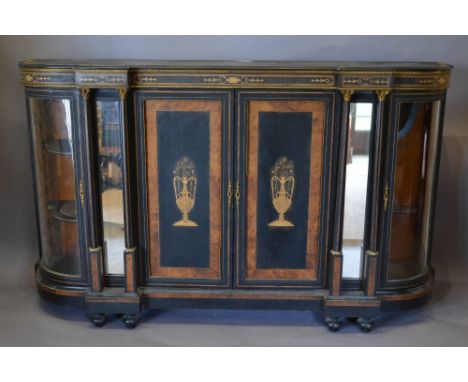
<point>412,193</point>
<point>110,168</point>
<point>55,176</point>
<point>357,168</point>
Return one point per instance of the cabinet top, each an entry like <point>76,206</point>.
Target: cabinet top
<point>223,64</point>
<point>354,75</point>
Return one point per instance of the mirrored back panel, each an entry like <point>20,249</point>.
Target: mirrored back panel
<point>111,182</point>
<point>357,170</point>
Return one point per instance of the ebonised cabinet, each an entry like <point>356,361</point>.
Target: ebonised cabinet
<point>282,185</point>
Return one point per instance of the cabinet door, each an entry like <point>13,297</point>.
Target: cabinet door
<point>53,119</point>
<point>413,171</point>
<point>283,186</point>
<point>186,177</point>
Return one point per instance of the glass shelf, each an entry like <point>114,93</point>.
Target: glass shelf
<point>63,210</point>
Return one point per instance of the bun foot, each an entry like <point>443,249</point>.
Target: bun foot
<point>130,320</point>
<point>98,319</point>
<point>365,324</point>
<point>333,323</point>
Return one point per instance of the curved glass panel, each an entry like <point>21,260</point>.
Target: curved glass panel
<point>357,169</point>
<point>412,192</point>
<point>55,174</point>
<point>110,170</point>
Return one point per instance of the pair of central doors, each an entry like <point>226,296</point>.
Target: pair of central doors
<point>234,187</point>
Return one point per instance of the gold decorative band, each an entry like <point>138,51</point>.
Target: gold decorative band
<point>238,78</point>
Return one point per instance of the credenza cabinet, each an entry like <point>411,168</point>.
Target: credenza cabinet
<point>265,185</point>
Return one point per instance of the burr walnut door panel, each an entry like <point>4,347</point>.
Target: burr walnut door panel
<point>282,153</point>
<point>186,158</point>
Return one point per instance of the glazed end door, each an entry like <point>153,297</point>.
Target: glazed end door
<point>283,160</point>
<point>187,178</point>
<point>411,181</point>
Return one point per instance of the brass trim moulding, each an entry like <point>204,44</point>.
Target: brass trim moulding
<point>314,295</point>
<point>411,294</point>
<point>237,194</point>
<point>363,301</point>
<point>229,194</point>
<point>82,193</point>
<point>52,289</point>
<point>109,297</point>
<point>60,274</point>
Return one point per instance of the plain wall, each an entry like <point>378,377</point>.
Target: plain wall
<point>18,236</point>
